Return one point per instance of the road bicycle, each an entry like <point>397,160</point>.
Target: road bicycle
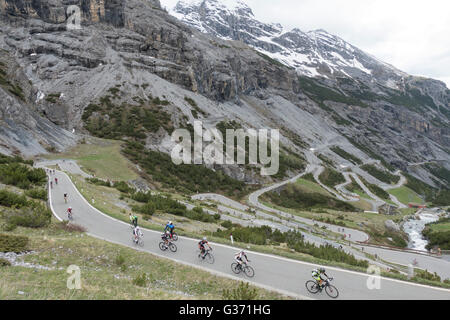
<point>207,256</point>
<point>313,287</point>
<point>244,267</point>
<point>163,246</point>
<point>174,236</point>
<point>70,215</point>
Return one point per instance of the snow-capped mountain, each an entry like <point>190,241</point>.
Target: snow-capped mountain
<point>314,53</point>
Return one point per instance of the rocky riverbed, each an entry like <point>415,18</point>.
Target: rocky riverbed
<point>415,226</point>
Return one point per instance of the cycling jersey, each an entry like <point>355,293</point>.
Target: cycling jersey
<point>240,255</point>
<point>169,227</point>
<point>202,243</point>
<point>317,275</point>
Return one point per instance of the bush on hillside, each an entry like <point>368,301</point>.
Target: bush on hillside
<point>331,177</point>
<point>10,199</point>
<point>36,215</point>
<point>21,176</point>
<point>381,175</point>
<point>16,159</point>
<point>242,292</point>
<point>70,227</point>
<point>98,182</point>
<point>295,240</point>
<point>4,263</point>
<point>40,194</point>
<point>16,244</point>
<point>293,197</point>
<point>123,187</point>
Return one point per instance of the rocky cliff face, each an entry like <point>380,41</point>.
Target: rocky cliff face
<point>139,46</point>
<point>22,129</point>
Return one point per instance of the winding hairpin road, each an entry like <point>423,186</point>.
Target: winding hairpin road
<point>272,272</point>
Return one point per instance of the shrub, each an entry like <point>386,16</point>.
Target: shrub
<point>184,178</point>
<point>98,182</point>
<point>36,215</point>
<point>320,94</point>
<point>294,197</point>
<point>21,176</point>
<point>377,191</point>
<point>344,154</point>
<point>4,263</point>
<point>190,101</point>
<point>227,224</point>
<point>40,194</point>
<point>381,175</point>
<point>440,239</point>
<point>424,274</point>
<point>119,260</point>
<point>146,209</point>
<point>10,199</point>
<point>242,292</point>
<point>331,177</point>
<point>199,215</point>
<point>141,197</point>
<point>141,280</point>
<point>16,159</point>
<point>442,198</point>
<point>70,227</point>
<point>122,186</point>
<point>294,240</point>
<point>16,244</point>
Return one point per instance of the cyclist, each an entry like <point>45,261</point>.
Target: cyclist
<point>137,234</point>
<point>131,218</point>
<point>317,275</point>
<point>239,257</point>
<point>201,246</point>
<point>56,180</point>
<point>51,184</point>
<point>134,220</point>
<point>65,197</point>
<point>69,212</point>
<point>169,227</point>
<point>166,237</point>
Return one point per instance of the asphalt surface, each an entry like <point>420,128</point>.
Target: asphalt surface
<point>272,272</point>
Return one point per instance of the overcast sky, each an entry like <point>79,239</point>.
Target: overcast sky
<point>412,35</point>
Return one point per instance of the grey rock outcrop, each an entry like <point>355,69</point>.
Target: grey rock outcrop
<point>392,226</point>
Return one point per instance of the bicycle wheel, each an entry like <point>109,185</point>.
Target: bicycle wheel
<point>236,268</point>
<point>175,237</point>
<point>141,242</point>
<point>332,291</point>
<point>312,286</point>
<point>209,258</point>
<point>172,247</point>
<point>249,271</point>
<point>162,246</point>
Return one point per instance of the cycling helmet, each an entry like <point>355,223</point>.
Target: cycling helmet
<point>322,270</point>
<point>204,239</point>
<point>170,222</point>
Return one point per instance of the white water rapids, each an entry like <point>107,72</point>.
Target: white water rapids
<point>414,228</point>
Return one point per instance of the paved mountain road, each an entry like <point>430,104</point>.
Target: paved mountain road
<point>286,275</point>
